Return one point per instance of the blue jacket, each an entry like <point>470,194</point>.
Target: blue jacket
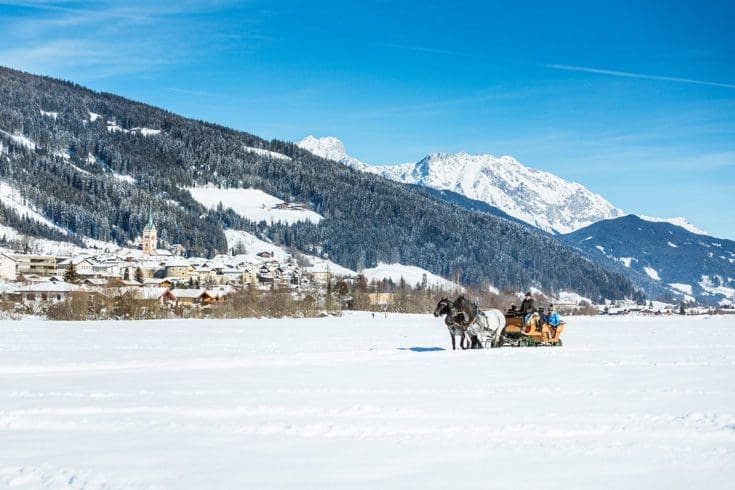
<point>553,319</point>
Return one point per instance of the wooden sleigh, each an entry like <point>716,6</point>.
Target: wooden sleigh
<point>533,333</point>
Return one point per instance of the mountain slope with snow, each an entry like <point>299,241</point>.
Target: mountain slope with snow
<point>539,198</point>
<point>662,257</point>
<point>535,197</point>
<point>678,221</point>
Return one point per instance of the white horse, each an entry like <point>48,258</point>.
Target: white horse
<point>487,328</point>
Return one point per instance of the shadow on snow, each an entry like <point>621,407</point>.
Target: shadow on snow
<point>422,349</point>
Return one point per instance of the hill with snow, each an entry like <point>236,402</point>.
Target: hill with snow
<point>678,221</point>
<point>411,274</point>
<point>662,257</point>
<point>539,198</point>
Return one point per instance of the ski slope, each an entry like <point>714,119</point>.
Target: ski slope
<point>362,402</point>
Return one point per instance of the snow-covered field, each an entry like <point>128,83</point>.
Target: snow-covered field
<point>252,204</point>
<point>362,402</point>
<point>410,273</point>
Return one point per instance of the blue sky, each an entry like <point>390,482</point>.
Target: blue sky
<point>635,100</point>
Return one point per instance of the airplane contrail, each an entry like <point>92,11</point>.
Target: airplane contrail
<point>626,74</point>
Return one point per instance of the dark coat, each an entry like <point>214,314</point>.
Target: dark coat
<point>527,306</point>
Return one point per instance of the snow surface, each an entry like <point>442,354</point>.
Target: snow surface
<point>93,116</point>
<point>53,115</point>
<point>237,239</point>
<point>112,127</point>
<point>411,274</point>
<point>146,131</point>
<point>252,204</point>
<point>679,221</point>
<point>716,285</point>
<point>63,154</point>
<point>80,170</point>
<point>652,273</point>
<point>124,178</point>
<point>21,140</point>
<point>684,288</point>
<point>627,261</point>
<point>317,265</point>
<point>570,298</point>
<point>12,198</point>
<point>267,153</point>
<point>357,402</point>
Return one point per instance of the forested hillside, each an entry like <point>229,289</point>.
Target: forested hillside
<point>663,258</point>
<point>93,164</point>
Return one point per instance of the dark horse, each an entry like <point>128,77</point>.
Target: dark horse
<point>460,314</point>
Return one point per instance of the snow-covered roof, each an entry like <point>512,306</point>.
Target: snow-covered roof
<point>150,293</point>
<point>48,287</point>
<point>189,293</point>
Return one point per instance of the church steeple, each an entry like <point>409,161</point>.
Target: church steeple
<point>150,235</point>
<point>149,224</point>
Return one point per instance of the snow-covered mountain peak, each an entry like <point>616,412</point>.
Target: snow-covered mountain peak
<point>536,197</point>
<point>330,148</point>
<point>327,147</point>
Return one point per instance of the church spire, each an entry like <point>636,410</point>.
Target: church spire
<point>149,225</point>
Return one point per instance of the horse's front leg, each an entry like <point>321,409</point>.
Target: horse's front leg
<point>451,335</point>
<point>465,341</point>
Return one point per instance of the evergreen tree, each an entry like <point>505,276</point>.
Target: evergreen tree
<point>139,275</point>
<point>71,273</point>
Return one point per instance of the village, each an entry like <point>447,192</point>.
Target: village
<point>151,275</point>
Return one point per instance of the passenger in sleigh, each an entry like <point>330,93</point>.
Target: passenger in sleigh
<point>552,320</point>
<point>527,308</point>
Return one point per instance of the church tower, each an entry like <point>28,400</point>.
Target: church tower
<point>150,236</point>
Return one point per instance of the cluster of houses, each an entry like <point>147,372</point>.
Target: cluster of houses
<point>152,273</point>
<point>626,307</point>
<point>174,279</point>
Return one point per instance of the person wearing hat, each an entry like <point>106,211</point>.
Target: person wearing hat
<point>527,307</point>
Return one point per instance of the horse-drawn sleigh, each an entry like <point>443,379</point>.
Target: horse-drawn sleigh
<point>493,328</point>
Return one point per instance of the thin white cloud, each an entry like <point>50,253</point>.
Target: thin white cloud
<point>82,58</point>
<point>625,74</point>
<point>423,49</point>
<point>86,41</point>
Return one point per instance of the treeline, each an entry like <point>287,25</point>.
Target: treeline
<point>386,296</point>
